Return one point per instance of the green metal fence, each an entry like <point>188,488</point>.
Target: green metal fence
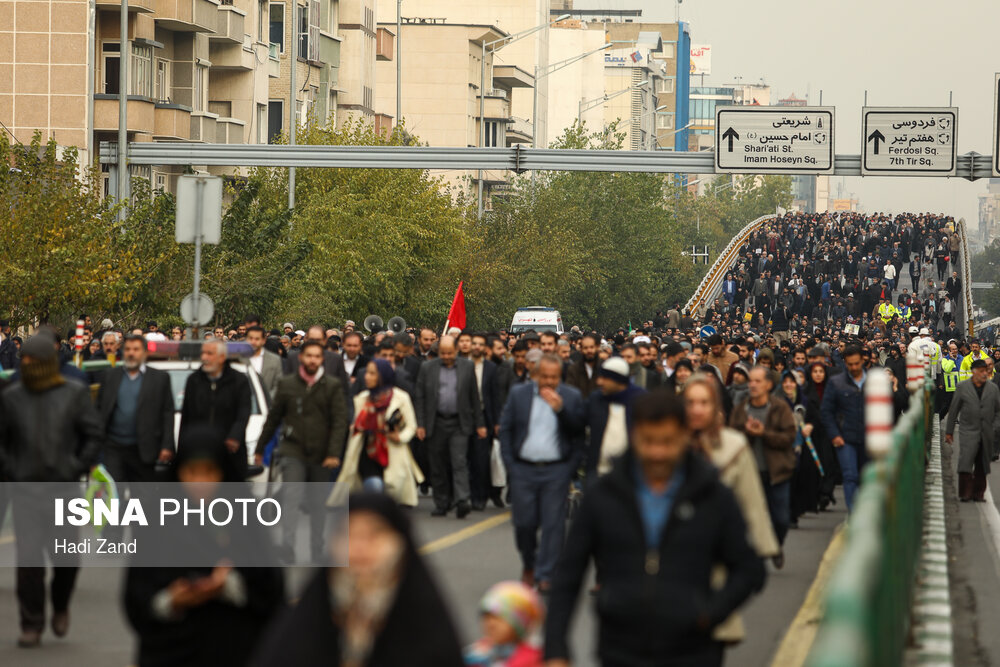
<point>867,600</point>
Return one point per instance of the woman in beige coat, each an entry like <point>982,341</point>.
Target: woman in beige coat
<point>378,455</point>
<point>729,451</point>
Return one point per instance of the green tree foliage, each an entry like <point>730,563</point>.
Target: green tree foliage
<point>63,247</point>
<point>603,247</point>
<point>986,268</point>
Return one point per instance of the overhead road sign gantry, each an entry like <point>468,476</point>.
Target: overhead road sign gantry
<point>996,126</point>
<point>909,141</point>
<point>774,140</point>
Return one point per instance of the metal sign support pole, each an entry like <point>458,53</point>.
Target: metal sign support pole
<point>199,214</point>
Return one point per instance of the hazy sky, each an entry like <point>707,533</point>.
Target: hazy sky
<point>905,53</point>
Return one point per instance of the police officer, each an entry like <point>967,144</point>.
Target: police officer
<point>975,352</point>
<point>949,373</point>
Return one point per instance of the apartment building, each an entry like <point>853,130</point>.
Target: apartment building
<point>441,70</point>
<point>509,16</point>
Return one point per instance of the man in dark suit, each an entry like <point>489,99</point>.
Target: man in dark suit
<point>540,440</point>
<point>480,481</point>
<point>355,362</point>
<point>582,373</point>
<point>448,412</point>
<point>136,405</point>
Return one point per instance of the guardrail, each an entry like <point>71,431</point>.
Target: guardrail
<point>711,284</point>
<point>867,600</point>
<point>966,260</point>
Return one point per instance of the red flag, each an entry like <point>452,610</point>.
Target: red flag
<point>456,316</point>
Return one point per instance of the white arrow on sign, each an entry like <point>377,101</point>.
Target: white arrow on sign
<point>774,140</point>
<point>918,141</point>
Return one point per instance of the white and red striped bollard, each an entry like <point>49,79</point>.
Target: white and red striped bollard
<point>915,364</point>
<point>78,344</point>
<point>878,412</point>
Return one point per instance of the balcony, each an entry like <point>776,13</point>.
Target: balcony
<point>519,131</point>
<point>229,131</point>
<point>141,6</point>
<point>203,126</point>
<point>139,116</point>
<point>172,122</point>
<point>229,56</point>
<point>229,25</point>
<point>273,60</point>
<point>495,107</point>
<point>513,77</point>
<point>385,42</point>
<point>329,49</point>
<point>187,15</point>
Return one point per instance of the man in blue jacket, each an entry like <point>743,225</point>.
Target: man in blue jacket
<point>540,433</point>
<point>843,414</point>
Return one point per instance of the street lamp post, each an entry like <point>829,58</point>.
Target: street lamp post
<point>399,62</point>
<point>586,105</point>
<point>124,56</point>
<point>495,46</point>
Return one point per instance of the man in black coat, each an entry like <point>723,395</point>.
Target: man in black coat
<point>333,363</point>
<point>448,413</point>
<point>656,526</point>
<point>137,410</point>
<point>219,396</point>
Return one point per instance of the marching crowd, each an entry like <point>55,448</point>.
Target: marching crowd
<point>681,453</point>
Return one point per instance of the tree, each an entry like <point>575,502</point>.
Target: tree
<point>603,247</point>
<point>986,268</point>
<point>64,247</point>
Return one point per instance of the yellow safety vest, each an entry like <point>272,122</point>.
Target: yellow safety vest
<point>886,311</point>
<point>965,370</point>
<point>950,375</point>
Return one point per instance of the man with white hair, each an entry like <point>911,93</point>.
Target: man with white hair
<point>219,397</point>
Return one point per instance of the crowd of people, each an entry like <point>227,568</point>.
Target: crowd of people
<point>696,441</point>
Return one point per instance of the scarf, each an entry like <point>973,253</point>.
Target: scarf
<point>310,380</point>
<point>371,422</point>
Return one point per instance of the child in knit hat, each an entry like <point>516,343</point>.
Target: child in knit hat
<point>511,617</point>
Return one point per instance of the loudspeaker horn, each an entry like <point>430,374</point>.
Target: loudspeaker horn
<point>374,324</point>
<point>397,324</point>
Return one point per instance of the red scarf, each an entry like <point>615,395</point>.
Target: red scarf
<point>371,422</point>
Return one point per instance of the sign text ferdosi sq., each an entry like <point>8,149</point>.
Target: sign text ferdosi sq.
<point>909,141</point>
<point>774,140</point>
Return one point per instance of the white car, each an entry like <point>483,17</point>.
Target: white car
<point>179,372</point>
<point>537,319</point>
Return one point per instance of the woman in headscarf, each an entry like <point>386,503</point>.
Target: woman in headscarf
<point>682,371</point>
<point>378,456</point>
<point>730,453</point>
<point>382,610</point>
<point>201,615</point>
<point>805,479</point>
<point>812,396</point>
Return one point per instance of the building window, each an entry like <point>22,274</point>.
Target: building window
<point>262,128</point>
<point>200,95</point>
<point>275,118</point>
<point>303,32</point>
<point>111,66</point>
<point>495,135</point>
<point>276,12</point>
<point>162,89</point>
<point>313,32</point>
<point>141,74</point>
<point>665,86</point>
<point>664,121</point>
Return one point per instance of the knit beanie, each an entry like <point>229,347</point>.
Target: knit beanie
<point>615,369</point>
<point>516,604</point>
<point>40,363</point>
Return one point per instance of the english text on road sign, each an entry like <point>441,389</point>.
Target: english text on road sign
<point>903,141</point>
<point>774,140</point>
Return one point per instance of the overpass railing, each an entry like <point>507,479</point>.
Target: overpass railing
<point>711,284</point>
<point>966,261</point>
<point>867,599</point>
